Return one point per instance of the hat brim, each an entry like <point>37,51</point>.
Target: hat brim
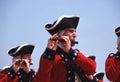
<point>117,31</point>
<point>99,75</point>
<point>20,50</point>
<point>92,57</point>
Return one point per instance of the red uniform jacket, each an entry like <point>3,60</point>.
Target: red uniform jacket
<point>53,66</point>
<point>112,67</point>
<point>8,75</point>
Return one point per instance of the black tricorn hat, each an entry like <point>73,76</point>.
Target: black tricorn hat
<point>67,21</point>
<point>99,75</point>
<point>20,50</point>
<point>117,31</point>
<point>92,57</point>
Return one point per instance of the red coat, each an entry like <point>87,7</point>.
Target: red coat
<point>54,69</point>
<point>5,76</point>
<point>112,68</point>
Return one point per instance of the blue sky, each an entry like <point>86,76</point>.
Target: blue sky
<point>22,21</point>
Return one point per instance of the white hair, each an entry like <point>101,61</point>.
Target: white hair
<point>17,57</point>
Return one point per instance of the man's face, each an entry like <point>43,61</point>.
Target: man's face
<point>71,33</point>
<point>27,56</point>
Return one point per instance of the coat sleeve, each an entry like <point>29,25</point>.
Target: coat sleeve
<point>44,71</point>
<point>85,63</point>
<point>45,67</point>
<point>112,68</point>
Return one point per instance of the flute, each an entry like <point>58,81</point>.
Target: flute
<point>61,40</point>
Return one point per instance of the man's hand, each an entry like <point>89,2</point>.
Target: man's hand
<point>16,65</point>
<point>52,44</point>
<point>25,65</point>
<point>21,63</point>
<point>67,44</point>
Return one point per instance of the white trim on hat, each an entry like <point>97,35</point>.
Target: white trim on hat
<point>64,16</point>
<point>101,73</point>
<point>20,48</point>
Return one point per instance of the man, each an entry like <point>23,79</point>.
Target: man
<point>112,64</point>
<point>20,70</point>
<point>60,62</point>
